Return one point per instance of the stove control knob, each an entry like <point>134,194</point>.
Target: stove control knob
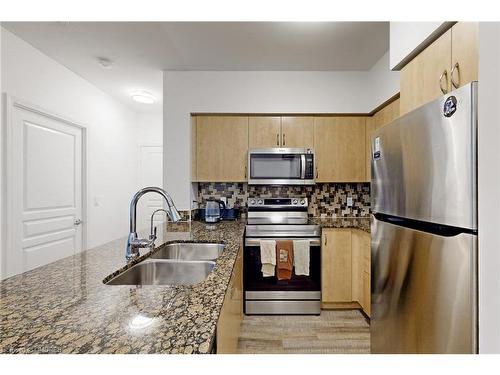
<point>295,201</point>
<point>252,201</point>
<point>302,201</point>
<point>260,201</point>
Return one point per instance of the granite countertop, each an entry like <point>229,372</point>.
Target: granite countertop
<point>64,307</point>
<point>362,223</point>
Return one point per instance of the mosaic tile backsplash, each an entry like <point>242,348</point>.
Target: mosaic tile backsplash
<point>325,200</point>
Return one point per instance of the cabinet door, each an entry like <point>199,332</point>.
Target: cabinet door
<point>297,131</point>
<point>339,146</point>
<point>384,116</point>
<point>264,131</point>
<point>228,325</point>
<point>360,268</point>
<point>464,51</point>
<point>193,149</point>
<point>336,266</point>
<point>419,79</point>
<point>222,144</point>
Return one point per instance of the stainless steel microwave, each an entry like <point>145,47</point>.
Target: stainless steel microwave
<point>281,166</point>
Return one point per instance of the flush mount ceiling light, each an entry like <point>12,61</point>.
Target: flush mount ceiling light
<point>143,97</point>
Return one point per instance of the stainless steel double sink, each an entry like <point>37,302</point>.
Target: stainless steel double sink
<point>178,263</point>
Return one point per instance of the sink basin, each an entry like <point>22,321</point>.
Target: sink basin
<point>189,251</point>
<point>164,272</point>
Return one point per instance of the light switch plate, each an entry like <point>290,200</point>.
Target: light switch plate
<point>349,201</point>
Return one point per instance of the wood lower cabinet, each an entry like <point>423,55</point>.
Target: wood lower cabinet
<point>228,326</point>
<point>384,116</point>
<point>360,242</point>
<point>221,148</point>
<point>339,145</point>
<point>264,131</point>
<point>336,266</point>
<point>297,131</point>
<point>453,57</point>
<point>345,269</point>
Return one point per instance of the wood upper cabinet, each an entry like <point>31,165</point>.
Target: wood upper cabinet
<point>336,266</point>
<point>339,146</point>
<point>297,131</point>
<point>420,78</point>
<point>276,131</point>
<point>221,148</point>
<point>194,177</point>
<point>464,53</point>
<point>448,63</point>
<point>264,131</point>
<point>228,325</point>
<point>384,116</point>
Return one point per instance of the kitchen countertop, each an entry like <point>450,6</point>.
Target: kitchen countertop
<point>362,223</point>
<point>64,307</point>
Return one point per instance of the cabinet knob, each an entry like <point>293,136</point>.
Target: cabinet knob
<point>456,67</point>
<point>443,75</point>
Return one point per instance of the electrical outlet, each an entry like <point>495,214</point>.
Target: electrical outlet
<point>349,201</point>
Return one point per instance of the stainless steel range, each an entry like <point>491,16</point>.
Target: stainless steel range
<point>281,219</point>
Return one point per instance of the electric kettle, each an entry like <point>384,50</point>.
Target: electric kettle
<point>213,211</point>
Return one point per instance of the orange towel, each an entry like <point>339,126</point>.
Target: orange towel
<point>284,259</point>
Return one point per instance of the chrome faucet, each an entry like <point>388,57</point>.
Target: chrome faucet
<point>134,243</point>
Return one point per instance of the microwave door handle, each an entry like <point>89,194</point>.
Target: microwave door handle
<point>302,166</point>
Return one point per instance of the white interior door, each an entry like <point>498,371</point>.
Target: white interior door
<point>150,174</point>
<point>44,190</point>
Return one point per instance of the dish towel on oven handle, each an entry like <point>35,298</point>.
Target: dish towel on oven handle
<point>301,257</point>
<point>284,259</point>
<point>268,257</point>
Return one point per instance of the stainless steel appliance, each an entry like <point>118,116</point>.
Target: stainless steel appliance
<point>281,166</point>
<point>424,229</point>
<point>280,219</point>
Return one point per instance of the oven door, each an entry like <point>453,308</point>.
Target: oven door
<point>277,166</point>
<point>268,295</point>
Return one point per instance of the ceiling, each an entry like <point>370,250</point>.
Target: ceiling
<point>140,51</point>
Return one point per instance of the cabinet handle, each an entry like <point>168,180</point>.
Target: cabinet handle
<point>457,68</point>
<point>317,173</point>
<point>444,74</point>
<point>326,239</point>
<point>245,171</point>
<point>277,139</point>
<point>283,139</point>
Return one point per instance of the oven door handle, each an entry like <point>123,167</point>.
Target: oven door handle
<point>316,241</point>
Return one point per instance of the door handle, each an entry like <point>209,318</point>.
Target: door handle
<point>457,68</point>
<point>277,139</point>
<point>77,222</point>
<point>443,75</point>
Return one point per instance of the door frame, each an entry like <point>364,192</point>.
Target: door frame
<point>12,103</point>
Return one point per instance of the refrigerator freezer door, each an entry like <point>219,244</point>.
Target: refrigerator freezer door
<point>423,291</point>
<point>424,163</point>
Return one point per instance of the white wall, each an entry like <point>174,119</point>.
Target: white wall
<point>407,39</point>
<point>112,130</point>
<point>489,187</point>
<point>185,92</point>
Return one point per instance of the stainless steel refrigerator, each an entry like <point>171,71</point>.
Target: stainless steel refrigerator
<point>424,229</point>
